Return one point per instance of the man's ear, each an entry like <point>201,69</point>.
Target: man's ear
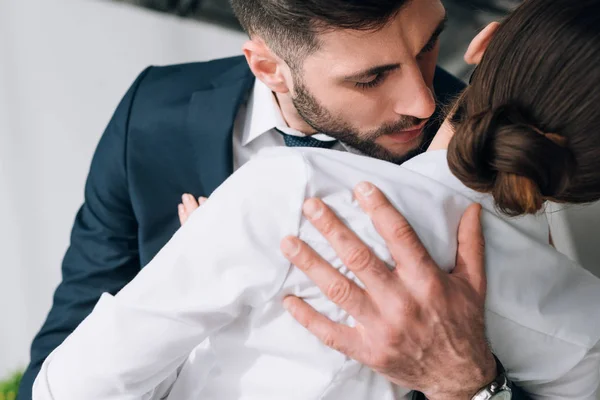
<point>479,45</point>
<point>266,65</point>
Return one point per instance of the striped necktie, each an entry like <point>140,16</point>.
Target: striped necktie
<point>305,141</point>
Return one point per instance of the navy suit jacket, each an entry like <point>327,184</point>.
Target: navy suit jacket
<point>171,134</point>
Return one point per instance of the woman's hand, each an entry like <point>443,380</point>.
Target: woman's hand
<point>188,205</point>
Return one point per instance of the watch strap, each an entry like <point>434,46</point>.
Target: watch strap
<point>500,374</point>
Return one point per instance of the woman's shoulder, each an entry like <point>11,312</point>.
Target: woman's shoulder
<point>434,165</point>
<point>272,169</point>
<point>269,187</point>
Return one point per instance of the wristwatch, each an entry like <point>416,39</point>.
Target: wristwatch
<point>499,389</point>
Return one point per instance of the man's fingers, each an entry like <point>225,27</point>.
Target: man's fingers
<point>470,258</point>
<point>339,289</point>
<point>358,257</point>
<point>339,337</point>
<point>402,241</point>
<point>202,200</point>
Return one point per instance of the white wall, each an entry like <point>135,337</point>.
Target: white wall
<point>64,65</point>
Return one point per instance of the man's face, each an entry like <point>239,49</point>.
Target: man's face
<point>374,90</point>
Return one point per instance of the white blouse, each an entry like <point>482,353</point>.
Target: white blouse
<point>204,320</point>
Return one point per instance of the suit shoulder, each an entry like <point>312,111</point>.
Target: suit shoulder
<point>173,82</point>
<point>161,96</point>
<point>447,86</point>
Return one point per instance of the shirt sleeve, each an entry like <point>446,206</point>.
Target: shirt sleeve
<point>582,382</point>
<point>224,260</point>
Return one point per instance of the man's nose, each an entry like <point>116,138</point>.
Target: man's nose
<point>415,98</point>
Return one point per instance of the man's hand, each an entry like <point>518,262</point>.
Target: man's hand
<point>418,326</point>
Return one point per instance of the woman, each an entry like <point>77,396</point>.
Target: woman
<point>204,319</point>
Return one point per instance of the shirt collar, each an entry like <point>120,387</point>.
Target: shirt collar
<point>263,114</point>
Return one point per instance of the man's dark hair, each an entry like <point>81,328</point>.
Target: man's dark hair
<point>290,27</point>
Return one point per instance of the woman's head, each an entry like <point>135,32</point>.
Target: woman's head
<point>528,127</point>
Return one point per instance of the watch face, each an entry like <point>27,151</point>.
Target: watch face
<point>503,395</point>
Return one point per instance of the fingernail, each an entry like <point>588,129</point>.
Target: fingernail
<point>365,189</point>
<point>185,197</point>
<point>181,209</point>
<point>288,304</point>
<point>312,208</point>
<point>290,247</point>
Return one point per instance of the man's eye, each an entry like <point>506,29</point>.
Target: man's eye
<point>372,83</point>
<point>429,48</point>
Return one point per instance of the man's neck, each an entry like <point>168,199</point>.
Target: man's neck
<point>290,114</point>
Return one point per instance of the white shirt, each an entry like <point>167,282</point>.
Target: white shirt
<point>204,320</point>
<point>255,125</point>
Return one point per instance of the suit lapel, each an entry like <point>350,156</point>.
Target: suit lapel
<point>211,116</point>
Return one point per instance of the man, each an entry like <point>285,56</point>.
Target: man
<point>364,72</point>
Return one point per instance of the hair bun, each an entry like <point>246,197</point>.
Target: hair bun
<point>501,151</point>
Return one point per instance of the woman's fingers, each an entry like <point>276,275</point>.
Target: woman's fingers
<point>182,214</point>
<point>188,206</point>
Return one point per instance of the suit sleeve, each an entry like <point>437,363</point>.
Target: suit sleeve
<point>223,262</point>
<point>103,252</point>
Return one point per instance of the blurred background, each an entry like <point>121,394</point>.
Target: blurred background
<point>64,65</point>
<point>467,16</point>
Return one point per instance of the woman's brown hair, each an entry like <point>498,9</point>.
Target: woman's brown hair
<point>528,127</point>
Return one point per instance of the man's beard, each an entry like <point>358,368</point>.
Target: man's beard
<point>321,120</point>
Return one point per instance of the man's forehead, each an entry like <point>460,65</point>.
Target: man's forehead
<point>399,38</point>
